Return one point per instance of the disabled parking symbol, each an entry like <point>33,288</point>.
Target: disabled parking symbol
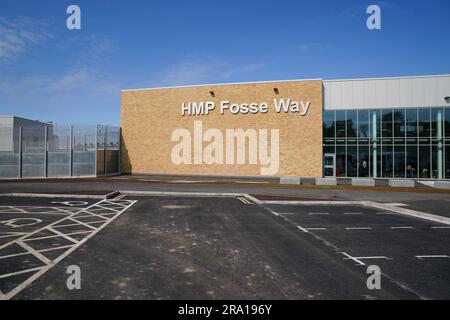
<point>20,222</point>
<point>71,203</point>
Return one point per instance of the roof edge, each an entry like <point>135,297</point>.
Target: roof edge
<point>391,78</point>
<point>219,84</point>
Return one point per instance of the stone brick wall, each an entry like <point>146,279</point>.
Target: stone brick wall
<point>149,117</point>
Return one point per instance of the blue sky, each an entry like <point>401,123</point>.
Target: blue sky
<point>50,73</point>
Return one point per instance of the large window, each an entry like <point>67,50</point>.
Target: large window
<point>387,161</point>
<point>328,127</point>
<point>399,161</point>
<point>411,126</point>
<point>403,142</point>
<point>424,162</point>
<point>352,130</point>
<point>424,126</point>
<point>411,162</point>
<point>399,126</point>
<point>341,161</point>
<point>363,126</point>
<point>364,161</point>
<point>340,127</point>
<point>387,126</point>
<point>447,124</point>
<point>447,162</point>
<point>352,161</point>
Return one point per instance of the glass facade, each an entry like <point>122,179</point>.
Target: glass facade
<point>389,143</point>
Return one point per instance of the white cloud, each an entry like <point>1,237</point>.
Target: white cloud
<point>19,35</point>
<point>86,75</point>
<point>306,47</point>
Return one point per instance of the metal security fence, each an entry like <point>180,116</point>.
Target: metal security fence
<point>52,150</point>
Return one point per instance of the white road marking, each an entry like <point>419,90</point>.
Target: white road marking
<point>316,229</point>
<point>35,210</point>
<point>56,236</point>
<point>396,228</point>
<point>349,257</point>
<point>72,203</point>
<point>373,258</point>
<point>12,234</point>
<point>432,257</point>
<point>34,252</point>
<point>358,228</point>
<point>353,213</point>
<point>244,200</point>
<point>303,229</point>
<point>440,227</point>
<point>17,273</point>
<point>15,223</point>
<point>286,213</point>
<point>124,205</point>
<point>42,250</point>
<point>319,213</point>
<point>63,235</point>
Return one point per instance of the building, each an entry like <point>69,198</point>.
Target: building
<point>379,128</point>
<point>33,133</point>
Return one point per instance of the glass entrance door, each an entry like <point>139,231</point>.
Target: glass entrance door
<point>329,165</point>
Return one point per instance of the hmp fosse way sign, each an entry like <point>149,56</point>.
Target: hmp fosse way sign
<point>280,106</point>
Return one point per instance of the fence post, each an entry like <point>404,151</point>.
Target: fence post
<point>46,152</point>
<point>96,150</point>
<point>20,152</point>
<point>120,152</point>
<point>105,149</point>
<point>71,150</point>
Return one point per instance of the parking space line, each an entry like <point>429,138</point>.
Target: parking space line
<point>7,275</point>
<point>373,258</point>
<point>303,229</point>
<point>124,205</point>
<point>349,257</point>
<point>105,208</point>
<point>433,257</point>
<point>12,234</point>
<point>40,251</point>
<point>63,235</point>
<point>85,224</point>
<point>55,236</point>
<point>34,252</point>
<point>396,228</point>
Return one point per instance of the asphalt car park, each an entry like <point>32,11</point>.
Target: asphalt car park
<point>38,233</point>
<point>412,252</point>
<point>217,247</point>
